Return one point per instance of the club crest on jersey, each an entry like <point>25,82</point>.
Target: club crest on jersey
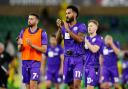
<point>94,39</point>
<point>75,28</point>
<point>56,49</point>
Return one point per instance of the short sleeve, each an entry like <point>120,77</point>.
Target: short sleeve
<point>46,54</point>
<point>21,33</point>
<point>44,38</point>
<point>102,48</point>
<point>83,28</point>
<point>99,42</point>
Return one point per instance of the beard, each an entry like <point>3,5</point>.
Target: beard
<point>30,25</point>
<point>69,20</point>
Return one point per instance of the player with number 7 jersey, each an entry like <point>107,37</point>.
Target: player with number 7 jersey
<point>32,42</point>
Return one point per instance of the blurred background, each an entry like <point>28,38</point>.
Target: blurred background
<point>111,14</point>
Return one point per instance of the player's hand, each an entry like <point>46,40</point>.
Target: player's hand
<point>86,40</point>
<point>108,39</point>
<point>29,42</point>
<point>59,23</point>
<point>20,41</point>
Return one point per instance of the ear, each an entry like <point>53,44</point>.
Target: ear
<point>37,21</point>
<point>75,15</point>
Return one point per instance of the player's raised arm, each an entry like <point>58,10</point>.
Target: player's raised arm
<point>109,39</point>
<point>59,34</point>
<point>20,41</point>
<point>77,37</point>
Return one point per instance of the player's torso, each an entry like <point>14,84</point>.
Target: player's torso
<point>29,53</point>
<point>70,43</point>
<point>53,56</point>
<point>35,37</point>
<point>92,58</point>
<point>109,57</point>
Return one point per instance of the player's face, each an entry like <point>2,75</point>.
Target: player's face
<point>106,40</point>
<point>32,21</point>
<point>69,15</point>
<point>53,41</point>
<point>92,28</point>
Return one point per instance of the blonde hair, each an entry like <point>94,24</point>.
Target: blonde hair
<point>94,21</point>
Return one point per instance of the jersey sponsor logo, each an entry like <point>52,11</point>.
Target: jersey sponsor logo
<point>111,51</point>
<point>67,36</point>
<point>94,39</point>
<point>107,51</point>
<point>55,54</point>
<point>57,49</point>
<point>75,28</point>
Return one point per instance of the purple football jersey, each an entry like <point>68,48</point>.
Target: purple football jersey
<point>92,59</point>
<point>53,57</point>
<point>44,39</point>
<point>72,45</point>
<point>109,57</point>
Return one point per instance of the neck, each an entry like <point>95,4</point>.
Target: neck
<point>34,28</point>
<point>94,34</point>
<point>53,45</point>
<point>72,23</point>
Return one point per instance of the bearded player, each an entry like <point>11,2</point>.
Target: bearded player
<point>32,43</point>
<point>73,34</point>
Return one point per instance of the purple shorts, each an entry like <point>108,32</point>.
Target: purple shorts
<point>125,76</point>
<point>73,68</point>
<point>92,75</point>
<point>53,76</point>
<point>109,74</point>
<point>30,71</point>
